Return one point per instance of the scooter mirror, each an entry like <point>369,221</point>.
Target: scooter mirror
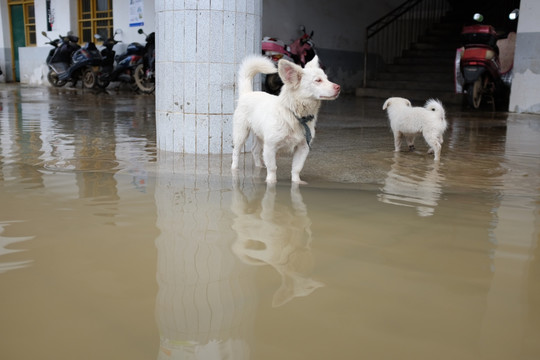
<point>514,14</point>
<point>140,31</point>
<point>302,28</point>
<point>478,17</point>
<point>44,33</point>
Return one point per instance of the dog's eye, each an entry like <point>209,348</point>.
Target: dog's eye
<point>318,80</point>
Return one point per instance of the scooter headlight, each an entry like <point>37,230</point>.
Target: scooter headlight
<point>490,54</point>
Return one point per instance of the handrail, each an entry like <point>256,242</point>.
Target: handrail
<point>401,26</point>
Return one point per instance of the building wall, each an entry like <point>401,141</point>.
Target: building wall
<point>339,30</point>
<point>526,83</point>
<point>32,59</point>
<point>5,51</point>
<point>338,27</point>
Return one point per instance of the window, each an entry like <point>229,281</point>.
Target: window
<point>29,20</point>
<point>95,17</point>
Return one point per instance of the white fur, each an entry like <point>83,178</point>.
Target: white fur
<point>272,119</point>
<point>408,121</point>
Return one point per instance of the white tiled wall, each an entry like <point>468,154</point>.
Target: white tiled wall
<point>199,47</point>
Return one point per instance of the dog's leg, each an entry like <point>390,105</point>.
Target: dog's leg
<point>269,156</point>
<point>299,158</point>
<point>397,141</point>
<point>256,151</point>
<point>240,134</point>
<point>410,142</point>
<point>435,147</point>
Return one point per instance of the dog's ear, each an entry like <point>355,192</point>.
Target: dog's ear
<point>314,63</point>
<point>290,73</point>
<point>409,103</point>
<point>386,104</point>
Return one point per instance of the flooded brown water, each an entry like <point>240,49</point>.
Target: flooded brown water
<point>110,249</point>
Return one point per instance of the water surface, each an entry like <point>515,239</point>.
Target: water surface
<point>110,249</point>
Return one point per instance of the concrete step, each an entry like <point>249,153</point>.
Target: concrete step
<point>427,77</point>
<point>424,61</point>
<point>437,46</point>
<point>417,84</point>
<point>442,53</point>
<point>419,68</point>
<point>417,97</point>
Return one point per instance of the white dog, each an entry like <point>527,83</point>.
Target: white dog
<point>284,122</point>
<point>409,121</point>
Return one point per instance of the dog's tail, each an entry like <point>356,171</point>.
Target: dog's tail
<point>436,106</point>
<point>251,66</point>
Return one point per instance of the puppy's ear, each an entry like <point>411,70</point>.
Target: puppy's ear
<point>314,63</point>
<point>386,104</point>
<point>409,103</point>
<point>290,73</point>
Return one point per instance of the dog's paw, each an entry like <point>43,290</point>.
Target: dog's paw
<point>296,180</point>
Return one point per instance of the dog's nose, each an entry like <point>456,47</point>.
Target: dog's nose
<point>337,87</point>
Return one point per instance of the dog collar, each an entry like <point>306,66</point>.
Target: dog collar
<point>303,121</point>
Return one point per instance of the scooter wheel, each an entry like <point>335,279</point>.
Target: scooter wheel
<point>101,82</point>
<point>89,78</point>
<point>52,76</point>
<point>145,84</point>
<point>474,93</point>
<point>273,84</point>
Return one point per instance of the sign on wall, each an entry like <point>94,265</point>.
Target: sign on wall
<point>136,13</point>
<point>50,15</point>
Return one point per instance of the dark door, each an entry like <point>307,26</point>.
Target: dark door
<point>19,39</point>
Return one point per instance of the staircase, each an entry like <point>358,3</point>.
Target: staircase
<point>425,70</point>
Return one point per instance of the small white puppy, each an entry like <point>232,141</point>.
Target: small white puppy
<point>409,121</point>
<point>283,122</point>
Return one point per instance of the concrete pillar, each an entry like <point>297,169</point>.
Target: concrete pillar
<point>526,82</point>
<point>200,45</point>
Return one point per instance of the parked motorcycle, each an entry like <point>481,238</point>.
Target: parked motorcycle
<point>479,72</point>
<point>107,60</point>
<point>85,66</point>
<point>124,69</point>
<point>145,71</point>
<point>301,51</point>
<point>59,59</point>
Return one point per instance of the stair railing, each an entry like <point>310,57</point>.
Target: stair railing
<point>386,38</point>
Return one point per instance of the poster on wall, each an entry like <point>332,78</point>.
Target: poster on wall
<point>136,13</point>
<point>50,15</point>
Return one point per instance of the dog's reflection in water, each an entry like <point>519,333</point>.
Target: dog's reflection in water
<point>411,182</point>
<point>278,234</point>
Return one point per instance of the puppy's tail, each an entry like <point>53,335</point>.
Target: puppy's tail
<point>251,66</point>
<point>436,106</point>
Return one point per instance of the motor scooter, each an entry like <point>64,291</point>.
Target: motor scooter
<point>59,57</point>
<point>107,60</point>
<point>145,71</point>
<point>301,51</point>
<point>84,65</point>
<point>125,66</point>
<point>479,72</point>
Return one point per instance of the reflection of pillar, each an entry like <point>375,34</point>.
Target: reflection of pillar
<point>206,299</point>
<point>199,47</point>
<point>510,323</point>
